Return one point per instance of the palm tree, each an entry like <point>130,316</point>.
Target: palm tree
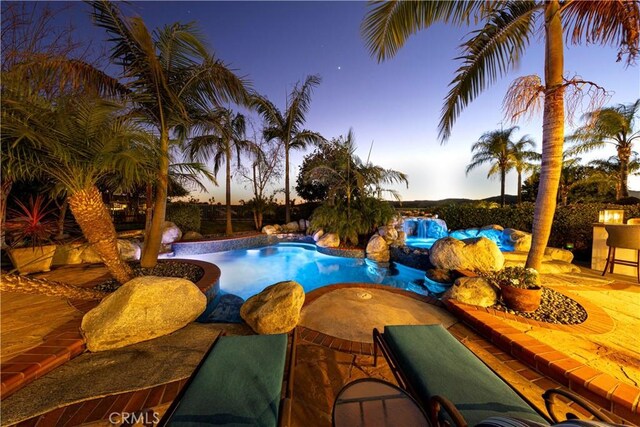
<point>82,142</point>
<point>496,48</point>
<point>170,73</point>
<point>521,158</point>
<point>609,171</point>
<point>613,126</point>
<point>494,147</point>
<point>222,133</point>
<point>288,127</point>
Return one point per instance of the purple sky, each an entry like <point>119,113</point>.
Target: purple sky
<point>395,104</point>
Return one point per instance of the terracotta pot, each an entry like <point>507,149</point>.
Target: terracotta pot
<point>521,299</point>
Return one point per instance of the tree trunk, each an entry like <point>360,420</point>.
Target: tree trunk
<point>519,187</point>
<point>148,214</point>
<point>229,229</point>
<point>624,154</point>
<point>153,238</point>
<point>93,217</point>
<point>5,189</point>
<point>503,178</point>
<point>61,218</point>
<point>552,135</point>
<point>287,212</point>
<point>33,285</point>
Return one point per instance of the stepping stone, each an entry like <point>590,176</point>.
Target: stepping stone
<point>227,310</point>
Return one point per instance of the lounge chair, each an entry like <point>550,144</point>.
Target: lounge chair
<point>450,382</point>
<point>238,382</point>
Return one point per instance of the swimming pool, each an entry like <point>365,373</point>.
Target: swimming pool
<point>246,272</point>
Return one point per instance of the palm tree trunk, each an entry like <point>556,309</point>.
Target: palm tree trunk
<point>5,189</point>
<point>153,238</point>
<point>92,216</point>
<point>287,213</point>
<point>229,229</point>
<point>552,135</point>
<point>624,154</point>
<point>33,285</point>
<point>148,215</point>
<point>519,187</point>
<point>61,218</point>
<point>503,178</point>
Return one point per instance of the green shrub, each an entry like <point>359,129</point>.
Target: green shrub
<point>186,216</point>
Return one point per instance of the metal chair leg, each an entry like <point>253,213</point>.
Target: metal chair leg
<point>613,260</point>
<point>607,263</point>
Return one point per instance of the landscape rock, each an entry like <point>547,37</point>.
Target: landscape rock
<point>129,250</point>
<point>441,276</point>
<point>493,234</point>
<point>436,228</point>
<point>302,224</point>
<point>141,310</point>
<point>492,227</point>
<point>558,254</point>
<point>269,229</point>
<point>192,236</point>
<point>378,249</point>
<point>401,240</point>
<point>317,235</point>
<point>473,291</point>
<point>478,254</point>
<point>291,227</point>
<point>520,240</point>
<point>547,267</point>
<point>275,310</point>
<point>388,233</point>
<point>170,233</point>
<point>329,240</point>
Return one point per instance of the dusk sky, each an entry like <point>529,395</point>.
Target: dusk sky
<point>395,104</point>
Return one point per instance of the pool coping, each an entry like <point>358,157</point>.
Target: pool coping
<point>66,341</point>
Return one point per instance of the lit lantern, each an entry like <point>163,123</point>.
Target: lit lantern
<point>613,216</point>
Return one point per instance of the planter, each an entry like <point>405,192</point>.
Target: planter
<point>32,260</point>
<point>520,299</point>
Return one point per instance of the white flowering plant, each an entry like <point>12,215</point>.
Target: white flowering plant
<point>517,277</point>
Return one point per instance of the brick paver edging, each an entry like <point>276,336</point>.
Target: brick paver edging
<point>66,342</point>
<point>603,389</point>
<point>348,346</point>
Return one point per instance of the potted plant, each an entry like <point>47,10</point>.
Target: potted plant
<point>519,286</point>
<point>30,231</point>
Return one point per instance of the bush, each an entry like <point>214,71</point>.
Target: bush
<point>186,216</point>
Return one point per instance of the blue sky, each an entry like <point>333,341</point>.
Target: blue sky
<point>395,104</point>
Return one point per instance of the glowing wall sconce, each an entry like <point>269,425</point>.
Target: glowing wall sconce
<point>611,216</point>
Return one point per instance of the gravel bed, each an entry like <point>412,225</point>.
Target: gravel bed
<point>554,308</point>
<point>163,268</point>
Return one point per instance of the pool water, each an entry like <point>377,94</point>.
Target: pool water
<point>246,272</point>
<point>427,242</point>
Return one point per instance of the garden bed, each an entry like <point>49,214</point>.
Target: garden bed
<point>554,308</point>
<point>183,269</point>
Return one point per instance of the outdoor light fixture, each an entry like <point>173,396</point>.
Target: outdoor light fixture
<point>611,216</point>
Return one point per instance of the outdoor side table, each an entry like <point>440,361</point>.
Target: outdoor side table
<point>371,402</point>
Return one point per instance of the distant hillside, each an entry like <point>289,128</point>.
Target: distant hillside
<point>429,203</point>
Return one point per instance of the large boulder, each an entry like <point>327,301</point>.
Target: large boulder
<point>191,236</point>
<point>142,309</point>
<point>329,240</point>
<point>170,233</point>
<point>378,249</point>
<point>388,233</point>
<point>401,240</point>
<point>492,232</point>
<point>275,310</point>
<point>318,234</point>
<point>291,227</point>
<point>478,254</point>
<point>473,291</point>
<point>129,249</point>
<point>519,240</point>
<point>269,229</point>
<point>435,228</point>
<point>557,254</point>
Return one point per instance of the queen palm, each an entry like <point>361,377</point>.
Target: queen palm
<point>170,72</point>
<point>496,48</point>
<point>611,126</point>
<point>522,158</point>
<point>80,143</point>
<point>494,148</point>
<point>609,171</point>
<point>221,134</point>
<point>288,128</point>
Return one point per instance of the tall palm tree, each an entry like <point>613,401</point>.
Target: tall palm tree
<point>497,48</point>
<point>611,126</point>
<point>522,158</point>
<point>609,171</point>
<point>221,134</point>
<point>494,147</point>
<point>81,142</point>
<point>288,128</point>
<point>170,72</point>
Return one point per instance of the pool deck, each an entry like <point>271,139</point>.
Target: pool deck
<point>325,363</point>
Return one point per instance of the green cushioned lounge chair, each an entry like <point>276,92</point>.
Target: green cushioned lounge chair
<point>238,383</point>
<point>449,381</point>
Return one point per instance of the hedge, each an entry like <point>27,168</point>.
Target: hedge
<point>186,216</point>
<point>571,224</point>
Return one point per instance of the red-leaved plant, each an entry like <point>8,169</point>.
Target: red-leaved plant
<point>30,225</point>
